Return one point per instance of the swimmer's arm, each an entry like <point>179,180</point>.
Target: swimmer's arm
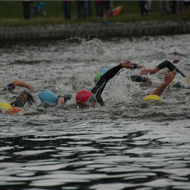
<point>60,101</point>
<point>113,71</point>
<point>159,90</point>
<point>63,99</point>
<point>23,84</point>
<point>149,71</point>
<point>136,66</point>
<point>167,80</point>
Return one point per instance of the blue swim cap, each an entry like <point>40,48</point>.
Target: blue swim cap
<point>48,96</point>
<point>104,70</point>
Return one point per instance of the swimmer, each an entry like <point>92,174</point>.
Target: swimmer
<point>138,78</point>
<point>17,105</point>
<point>20,101</point>
<point>157,93</point>
<point>134,78</point>
<point>13,84</point>
<point>49,99</point>
<point>171,67</point>
<point>90,98</point>
<point>165,64</point>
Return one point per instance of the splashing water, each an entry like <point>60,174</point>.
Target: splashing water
<point>128,144</point>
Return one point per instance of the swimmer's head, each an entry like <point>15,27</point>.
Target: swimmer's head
<point>97,77</point>
<point>104,70</point>
<point>82,97</point>
<point>78,85</point>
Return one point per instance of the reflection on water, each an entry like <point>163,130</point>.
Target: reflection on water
<point>128,144</point>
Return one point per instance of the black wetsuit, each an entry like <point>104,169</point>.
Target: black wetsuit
<point>100,85</point>
<point>22,99</point>
<point>170,66</point>
<point>9,87</point>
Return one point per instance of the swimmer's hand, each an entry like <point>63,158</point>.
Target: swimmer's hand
<point>149,81</point>
<point>127,64</point>
<point>146,72</point>
<point>169,78</point>
<point>141,66</point>
<point>176,61</point>
<point>60,101</point>
<point>63,99</point>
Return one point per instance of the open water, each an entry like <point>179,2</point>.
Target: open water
<point>128,144</point>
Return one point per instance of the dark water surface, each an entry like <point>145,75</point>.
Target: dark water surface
<point>128,144</point>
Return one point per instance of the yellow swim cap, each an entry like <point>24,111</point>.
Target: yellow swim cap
<point>152,97</point>
<point>187,79</point>
<point>4,106</point>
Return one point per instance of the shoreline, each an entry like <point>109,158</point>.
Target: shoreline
<point>94,30</point>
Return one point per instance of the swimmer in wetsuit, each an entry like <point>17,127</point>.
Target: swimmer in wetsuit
<point>17,105</point>
<point>138,78</point>
<point>133,78</point>
<point>89,98</point>
<point>49,99</point>
<point>165,64</point>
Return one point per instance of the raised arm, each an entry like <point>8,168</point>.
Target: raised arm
<point>165,64</point>
<point>167,80</point>
<point>149,71</point>
<point>15,83</point>
<point>23,84</point>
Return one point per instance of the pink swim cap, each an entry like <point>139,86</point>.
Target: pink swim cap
<point>82,97</point>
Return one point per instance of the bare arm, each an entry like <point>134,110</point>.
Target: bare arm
<point>167,80</point>
<point>149,71</point>
<point>60,101</point>
<point>23,84</point>
<point>141,66</point>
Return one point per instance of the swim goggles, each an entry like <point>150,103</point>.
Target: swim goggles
<point>91,99</point>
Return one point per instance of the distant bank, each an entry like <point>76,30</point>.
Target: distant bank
<point>94,30</point>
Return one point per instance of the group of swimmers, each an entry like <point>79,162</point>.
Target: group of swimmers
<point>86,98</point>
